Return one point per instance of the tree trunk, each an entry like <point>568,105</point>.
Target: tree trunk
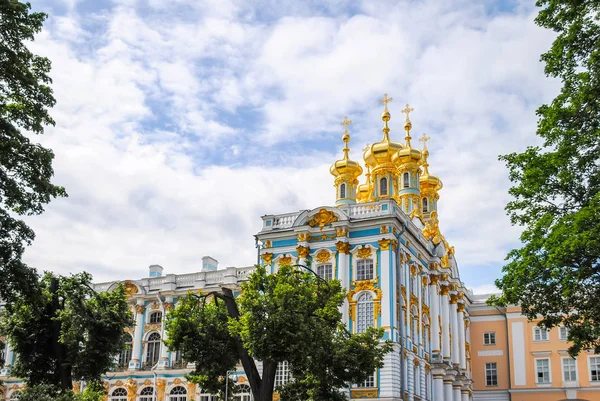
<point>63,367</point>
<point>262,389</point>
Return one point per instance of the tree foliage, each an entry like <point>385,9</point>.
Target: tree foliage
<point>25,167</point>
<point>556,273</point>
<point>94,391</point>
<point>289,316</point>
<point>69,331</point>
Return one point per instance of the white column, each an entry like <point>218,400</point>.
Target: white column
<point>344,273</point>
<point>434,308</point>
<point>445,312</point>
<point>411,376</point>
<point>456,387</point>
<point>423,380</point>
<point>454,327</point>
<point>386,279</point>
<point>448,393</point>
<point>465,395</point>
<point>163,362</point>
<point>461,337</point>
<point>8,358</point>
<point>438,384</point>
<point>135,362</point>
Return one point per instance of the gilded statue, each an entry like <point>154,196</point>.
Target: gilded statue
<point>131,386</point>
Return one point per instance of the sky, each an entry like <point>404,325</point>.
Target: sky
<point>180,123</point>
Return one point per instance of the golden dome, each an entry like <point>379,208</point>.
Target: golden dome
<point>407,154</point>
<point>381,152</point>
<point>345,166</point>
<point>428,181</point>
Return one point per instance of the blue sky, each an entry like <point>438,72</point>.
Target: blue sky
<point>180,123</point>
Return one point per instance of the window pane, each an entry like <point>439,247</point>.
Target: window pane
<point>364,269</point>
<point>595,368</point>
<point>365,314</point>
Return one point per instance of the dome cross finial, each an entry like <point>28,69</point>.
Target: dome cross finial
<point>385,101</point>
<point>424,139</point>
<point>346,123</point>
<point>407,110</point>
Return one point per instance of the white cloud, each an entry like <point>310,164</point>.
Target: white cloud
<point>152,104</point>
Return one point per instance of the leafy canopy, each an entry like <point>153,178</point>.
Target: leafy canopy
<point>25,167</point>
<point>64,328</point>
<point>556,273</point>
<point>289,316</point>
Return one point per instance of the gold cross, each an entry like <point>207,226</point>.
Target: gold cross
<point>385,100</point>
<point>407,111</point>
<point>346,123</point>
<point>366,147</point>
<point>424,139</point>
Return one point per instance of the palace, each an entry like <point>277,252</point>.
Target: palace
<point>382,240</point>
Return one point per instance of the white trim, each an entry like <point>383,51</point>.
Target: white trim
<point>589,369</point>
<point>537,383</point>
<point>487,318</point>
<point>534,328</point>
<point>560,331</point>
<point>490,343</point>
<point>562,369</point>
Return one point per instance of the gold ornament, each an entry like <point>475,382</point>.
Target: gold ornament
<point>364,252</point>
<point>140,309</point>
<point>433,279</point>
<point>323,218</point>
<point>131,386</point>
<point>303,237</point>
<point>285,261</point>
<point>341,232</point>
<point>384,244</point>
<point>130,288</point>
<point>343,247</point>
<point>302,251</point>
<point>267,244</point>
<point>267,258</point>
<point>385,230</point>
<point>323,256</point>
<point>161,384</point>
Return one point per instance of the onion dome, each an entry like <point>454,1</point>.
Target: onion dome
<point>426,180</point>
<point>407,154</point>
<point>381,153</point>
<point>363,190</point>
<point>346,167</point>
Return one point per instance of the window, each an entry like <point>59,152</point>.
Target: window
<point>2,353</point>
<point>491,374</point>
<point>369,383</point>
<point>282,374</point>
<point>119,394</point>
<point>147,394</point>
<point>405,180</point>
<point>489,338</point>
<point>542,369</point>
<point>178,362</point>
<point>383,189</point>
<point>15,395</point>
<point>563,333</point>
<point>540,334</point>
<point>243,393</point>
<point>325,271</point>
<point>205,396</point>
<point>594,368</point>
<point>125,355</point>
<point>342,191</point>
<point>425,205</point>
<point>365,315</point>
<point>364,269</point>
<point>569,366</point>
<point>178,393</point>
<point>153,350</point>
<point>155,317</point>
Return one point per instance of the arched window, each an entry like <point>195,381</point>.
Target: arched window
<point>405,180</point>
<point>342,191</point>
<point>178,393</point>
<point>364,269</point>
<point>125,355</point>
<point>119,394</point>
<point>414,313</point>
<point>243,393</point>
<point>425,205</point>
<point>147,394</point>
<point>156,317</point>
<point>364,314</point>
<point>153,350</point>
<point>205,396</point>
<point>383,187</point>
<point>325,271</point>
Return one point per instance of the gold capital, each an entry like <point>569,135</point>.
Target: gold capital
<point>384,244</point>
<point>343,247</point>
<point>302,251</point>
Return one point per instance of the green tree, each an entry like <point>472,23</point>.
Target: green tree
<point>25,167</point>
<point>556,273</point>
<point>289,316</point>
<point>70,332</point>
